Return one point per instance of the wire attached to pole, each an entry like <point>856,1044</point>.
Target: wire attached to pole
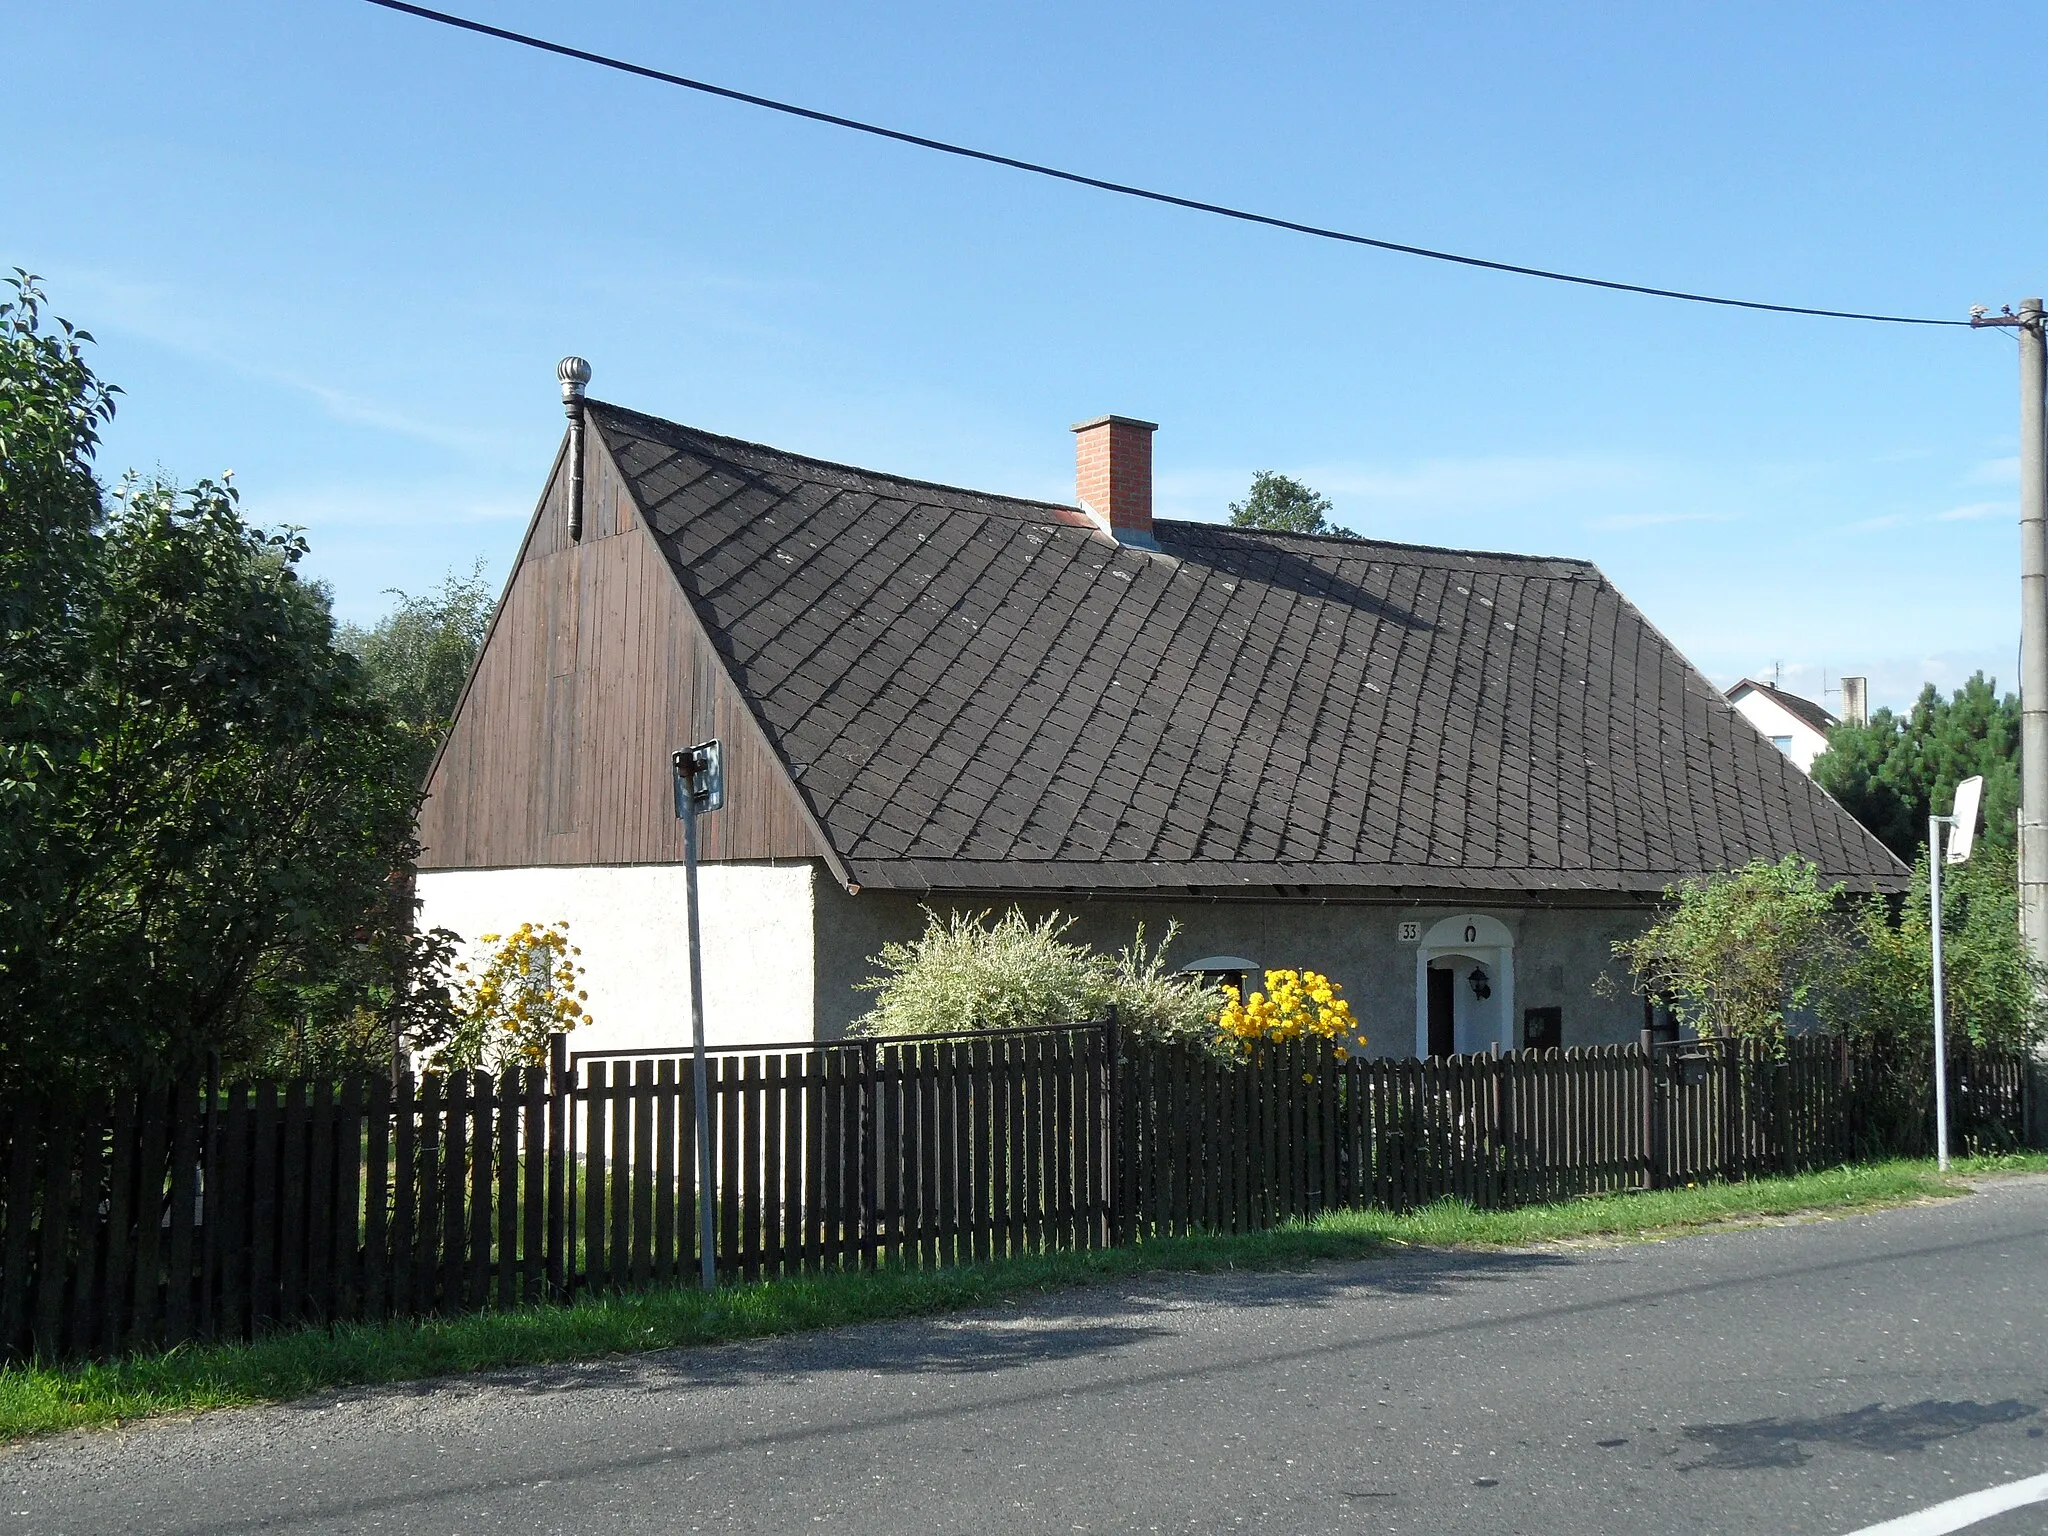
<point>1123,189</point>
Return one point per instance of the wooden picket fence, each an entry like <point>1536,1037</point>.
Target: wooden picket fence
<point>167,1214</point>
<point>906,1151</point>
<point>151,1217</point>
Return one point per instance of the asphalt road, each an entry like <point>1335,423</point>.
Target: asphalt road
<point>1815,1377</point>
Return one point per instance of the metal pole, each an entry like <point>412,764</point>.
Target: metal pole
<point>2033,633</point>
<point>700,1073</point>
<point>1940,1030</point>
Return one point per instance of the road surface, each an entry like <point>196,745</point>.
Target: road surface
<point>1813,1377</point>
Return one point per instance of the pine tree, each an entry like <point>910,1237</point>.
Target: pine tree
<point>1891,773</point>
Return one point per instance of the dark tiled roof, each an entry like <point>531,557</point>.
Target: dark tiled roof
<point>1804,710</point>
<point>978,692</point>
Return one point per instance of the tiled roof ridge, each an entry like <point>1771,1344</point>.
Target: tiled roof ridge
<point>1263,535</point>
<point>714,440</point>
<point>1067,513</point>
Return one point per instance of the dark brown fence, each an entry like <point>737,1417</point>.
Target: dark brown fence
<point>838,1156</point>
<point>150,1218</point>
<point>1232,1147</point>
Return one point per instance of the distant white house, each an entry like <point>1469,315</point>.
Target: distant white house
<point>1796,727</point>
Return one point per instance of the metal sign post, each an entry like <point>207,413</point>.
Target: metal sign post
<point>1969,794</point>
<point>699,786</point>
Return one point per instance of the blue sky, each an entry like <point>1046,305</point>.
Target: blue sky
<point>339,251</point>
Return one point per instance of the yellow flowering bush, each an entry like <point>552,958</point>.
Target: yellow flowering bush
<point>1296,1005</point>
<point>524,989</point>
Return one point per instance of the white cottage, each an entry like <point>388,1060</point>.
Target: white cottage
<point>1448,778</point>
<point>1796,727</point>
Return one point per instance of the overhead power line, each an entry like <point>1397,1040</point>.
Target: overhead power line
<point>1123,189</point>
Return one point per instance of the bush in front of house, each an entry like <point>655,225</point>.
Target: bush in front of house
<point>1992,989</point>
<point>972,971</point>
<point>1738,952</point>
<point>1735,951</point>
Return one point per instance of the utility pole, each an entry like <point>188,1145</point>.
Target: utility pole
<point>2033,619</point>
<point>1963,837</point>
<point>699,774</point>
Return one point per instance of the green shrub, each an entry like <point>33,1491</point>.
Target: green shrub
<point>973,971</point>
<point>1993,991</point>
<point>1735,951</point>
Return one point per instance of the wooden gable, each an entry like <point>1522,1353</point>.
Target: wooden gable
<point>595,670</point>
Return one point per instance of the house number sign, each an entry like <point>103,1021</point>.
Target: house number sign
<point>1409,933</point>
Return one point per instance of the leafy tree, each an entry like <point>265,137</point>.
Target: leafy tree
<point>1994,992</point>
<point>1891,773</point>
<point>418,656</point>
<point>1737,952</point>
<point>208,810</point>
<point>1284,505</point>
<point>51,412</point>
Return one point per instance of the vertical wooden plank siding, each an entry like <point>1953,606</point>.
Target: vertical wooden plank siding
<point>145,1297</point>
<point>180,1271</point>
<point>510,1102</point>
<point>597,1261</point>
<point>117,1282</point>
<point>375,1271</point>
<point>726,1095</point>
<point>402,1264</point>
<point>748,1103</point>
<point>28,1127</point>
<point>643,1173</point>
<point>596,641</point>
<point>664,1265</point>
<point>54,1231</point>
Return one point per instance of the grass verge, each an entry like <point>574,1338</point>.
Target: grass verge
<point>40,1400</point>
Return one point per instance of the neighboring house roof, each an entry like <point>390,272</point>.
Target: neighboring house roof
<point>1805,711</point>
<point>977,692</point>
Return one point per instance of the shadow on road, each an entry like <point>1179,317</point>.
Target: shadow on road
<point>1087,1322</point>
<point>1778,1442</point>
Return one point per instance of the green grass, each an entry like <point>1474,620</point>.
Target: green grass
<point>37,1400</point>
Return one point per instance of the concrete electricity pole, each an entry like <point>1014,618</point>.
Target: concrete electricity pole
<point>2033,619</point>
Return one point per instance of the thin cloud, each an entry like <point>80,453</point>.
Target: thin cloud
<point>372,505</point>
<point>1466,486</point>
<point>1975,511</point>
<point>1622,521</point>
<point>165,316</point>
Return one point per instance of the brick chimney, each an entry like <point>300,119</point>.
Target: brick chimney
<point>1856,701</point>
<point>1113,476</point>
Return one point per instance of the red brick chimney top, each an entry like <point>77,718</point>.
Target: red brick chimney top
<point>1113,476</point>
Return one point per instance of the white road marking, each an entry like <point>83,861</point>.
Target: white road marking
<point>1971,1508</point>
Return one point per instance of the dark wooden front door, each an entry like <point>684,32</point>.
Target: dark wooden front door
<point>1443,1032</point>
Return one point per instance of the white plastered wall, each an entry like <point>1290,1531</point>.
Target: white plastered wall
<point>758,939</point>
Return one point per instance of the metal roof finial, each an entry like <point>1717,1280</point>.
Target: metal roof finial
<point>574,373</point>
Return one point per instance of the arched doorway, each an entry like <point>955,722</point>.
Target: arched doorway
<point>1465,987</point>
